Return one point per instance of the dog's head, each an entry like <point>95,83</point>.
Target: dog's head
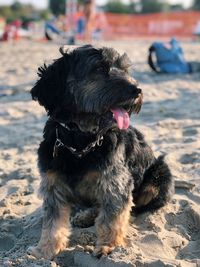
<point>89,88</point>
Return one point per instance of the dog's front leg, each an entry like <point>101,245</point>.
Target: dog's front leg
<point>113,220</point>
<point>56,225</point>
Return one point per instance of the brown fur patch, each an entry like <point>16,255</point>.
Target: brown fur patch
<point>51,178</point>
<point>86,188</point>
<point>54,236</point>
<point>113,233</point>
<point>149,192</point>
<point>103,250</point>
<point>131,80</point>
<point>91,176</point>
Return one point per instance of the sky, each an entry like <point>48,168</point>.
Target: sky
<point>43,3</point>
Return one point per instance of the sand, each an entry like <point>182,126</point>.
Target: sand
<point>169,119</point>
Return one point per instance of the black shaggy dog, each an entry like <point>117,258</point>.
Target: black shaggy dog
<point>90,155</point>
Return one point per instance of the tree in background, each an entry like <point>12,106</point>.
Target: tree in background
<point>176,7</point>
<point>117,6</point>
<point>6,12</point>
<point>140,6</point>
<point>57,7</point>
<point>196,5</point>
<point>24,12</point>
<point>16,11</point>
<point>153,6</point>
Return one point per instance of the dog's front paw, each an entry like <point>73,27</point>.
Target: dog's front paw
<point>102,251</point>
<point>38,253</point>
<point>48,251</point>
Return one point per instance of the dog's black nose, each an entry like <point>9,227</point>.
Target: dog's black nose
<point>139,91</point>
<point>134,90</point>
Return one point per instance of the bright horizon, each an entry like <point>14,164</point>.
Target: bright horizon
<point>44,3</point>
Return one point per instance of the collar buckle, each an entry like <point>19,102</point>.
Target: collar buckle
<point>58,143</point>
<point>99,141</point>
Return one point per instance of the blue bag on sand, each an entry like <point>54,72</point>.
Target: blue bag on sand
<point>170,58</point>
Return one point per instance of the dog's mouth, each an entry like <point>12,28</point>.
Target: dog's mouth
<point>122,118</point>
<point>122,112</point>
<point>118,115</point>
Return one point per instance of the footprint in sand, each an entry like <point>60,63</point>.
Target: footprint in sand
<point>190,158</point>
<point>190,132</point>
<point>6,242</point>
<point>192,250</point>
<point>187,224</point>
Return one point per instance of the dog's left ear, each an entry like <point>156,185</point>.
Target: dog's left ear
<point>124,62</point>
<point>51,86</point>
<point>115,59</point>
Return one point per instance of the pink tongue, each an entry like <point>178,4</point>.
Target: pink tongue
<point>121,117</point>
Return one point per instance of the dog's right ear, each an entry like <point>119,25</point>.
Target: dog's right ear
<point>50,88</point>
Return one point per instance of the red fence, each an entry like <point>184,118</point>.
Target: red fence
<point>181,24</point>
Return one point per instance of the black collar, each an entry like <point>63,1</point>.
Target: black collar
<point>81,153</point>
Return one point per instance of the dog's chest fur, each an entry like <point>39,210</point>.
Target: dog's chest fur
<point>87,188</point>
<point>87,178</point>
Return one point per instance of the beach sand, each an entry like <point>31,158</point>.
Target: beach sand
<point>170,121</point>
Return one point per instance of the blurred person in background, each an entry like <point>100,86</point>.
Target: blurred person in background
<point>95,21</point>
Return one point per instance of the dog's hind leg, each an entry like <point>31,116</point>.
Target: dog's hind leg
<point>85,218</point>
<point>56,225</point>
<point>156,189</point>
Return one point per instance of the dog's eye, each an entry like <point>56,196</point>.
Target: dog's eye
<point>102,70</point>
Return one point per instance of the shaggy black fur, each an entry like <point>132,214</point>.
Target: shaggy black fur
<point>94,163</point>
